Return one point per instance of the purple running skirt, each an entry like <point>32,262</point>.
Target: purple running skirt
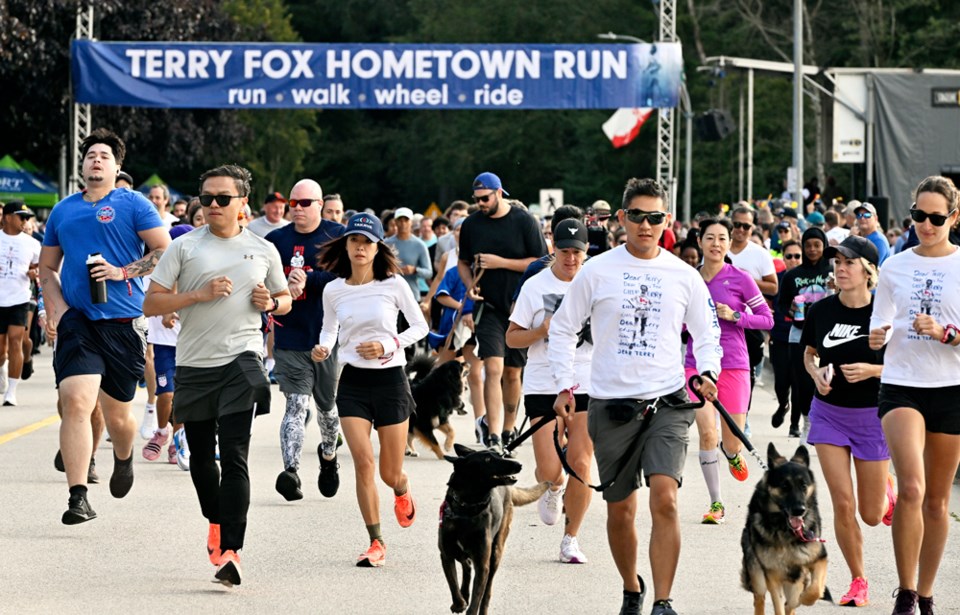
<point>855,428</point>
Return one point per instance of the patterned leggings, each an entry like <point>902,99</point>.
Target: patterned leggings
<point>293,429</point>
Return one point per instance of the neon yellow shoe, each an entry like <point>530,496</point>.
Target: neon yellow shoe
<point>715,516</point>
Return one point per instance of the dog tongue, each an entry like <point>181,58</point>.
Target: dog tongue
<point>796,523</point>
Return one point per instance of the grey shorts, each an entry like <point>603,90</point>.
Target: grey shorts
<point>298,374</point>
<point>662,449</point>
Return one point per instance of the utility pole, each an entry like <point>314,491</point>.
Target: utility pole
<point>798,100</point>
<point>80,118</point>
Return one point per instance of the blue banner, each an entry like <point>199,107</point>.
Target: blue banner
<point>355,76</point>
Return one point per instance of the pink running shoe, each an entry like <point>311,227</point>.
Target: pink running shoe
<point>151,450</point>
<point>857,595</point>
<point>172,454</point>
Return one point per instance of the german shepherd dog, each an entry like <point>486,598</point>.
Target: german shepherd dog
<point>437,391</point>
<point>782,552</point>
<point>475,519</point>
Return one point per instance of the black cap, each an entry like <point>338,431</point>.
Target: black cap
<point>17,207</point>
<point>274,196</point>
<point>855,247</point>
<point>571,233</point>
<point>125,176</point>
<point>790,212</point>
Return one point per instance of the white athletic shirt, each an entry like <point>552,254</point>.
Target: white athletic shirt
<point>368,313</point>
<point>540,297</point>
<point>637,309</point>
<point>754,260</point>
<point>17,253</point>
<point>263,227</point>
<point>910,285</point>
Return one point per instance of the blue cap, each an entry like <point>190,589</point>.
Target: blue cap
<point>366,225</point>
<point>815,217</point>
<point>488,181</point>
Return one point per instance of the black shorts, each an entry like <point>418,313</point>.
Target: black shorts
<point>491,333</point>
<point>939,406</point>
<point>111,349</point>
<point>205,393</point>
<point>381,396</point>
<point>537,405</point>
<point>13,316</point>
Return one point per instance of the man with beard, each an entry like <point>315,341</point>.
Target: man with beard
<point>504,240</point>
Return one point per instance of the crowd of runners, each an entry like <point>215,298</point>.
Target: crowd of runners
<point>592,320</point>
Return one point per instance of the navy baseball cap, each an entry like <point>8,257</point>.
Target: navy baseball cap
<point>488,181</point>
<point>366,225</point>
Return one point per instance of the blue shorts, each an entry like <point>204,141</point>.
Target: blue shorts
<point>165,364</point>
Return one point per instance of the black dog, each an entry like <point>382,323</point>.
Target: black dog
<point>475,520</point>
<point>782,552</point>
<point>437,390</point>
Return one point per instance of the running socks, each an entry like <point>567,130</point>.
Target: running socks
<point>711,474</point>
<point>292,429</point>
<point>80,490</point>
<point>374,532</point>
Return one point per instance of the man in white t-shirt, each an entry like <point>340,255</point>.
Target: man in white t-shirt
<point>835,232</point>
<point>19,259</point>
<point>160,197</point>
<point>749,256</point>
<point>274,206</point>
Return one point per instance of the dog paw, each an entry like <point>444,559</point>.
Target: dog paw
<point>459,606</point>
<point>412,454</point>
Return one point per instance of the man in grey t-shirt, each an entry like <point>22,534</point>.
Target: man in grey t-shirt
<point>220,278</point>
<point>414,256</point>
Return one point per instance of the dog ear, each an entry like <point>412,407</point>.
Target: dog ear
<point>462,450</point>
<point>801,456</point>
<point>774,458</point>
<point>451,459</point>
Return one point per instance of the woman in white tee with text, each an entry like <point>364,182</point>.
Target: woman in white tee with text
<point>362,305</point>
<point>916,313</point>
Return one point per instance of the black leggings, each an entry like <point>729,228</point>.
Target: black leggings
<point>803,387</point>
<point>780,358</point>
<point>225,499</point>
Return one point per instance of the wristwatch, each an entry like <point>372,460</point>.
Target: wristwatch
<point>276,305</point>
<point>736,316</point>
<point>711,375</point>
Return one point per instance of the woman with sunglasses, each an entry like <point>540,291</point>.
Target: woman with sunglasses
<point>780,337</point>
<point>360,310</point>
<point>740,306</point>
<point>539,299</point>
<point>915,315</point>
<point>843,414</point>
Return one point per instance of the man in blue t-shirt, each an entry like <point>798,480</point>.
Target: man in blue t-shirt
<point>100,350</point>
<point>300,377</point>
<point>869,226</point>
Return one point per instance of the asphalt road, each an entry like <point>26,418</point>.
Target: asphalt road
<point>147,551</point>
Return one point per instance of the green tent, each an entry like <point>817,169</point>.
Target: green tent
<point>18,184</point>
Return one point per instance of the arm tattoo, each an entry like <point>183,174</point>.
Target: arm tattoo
<point>145,265</point>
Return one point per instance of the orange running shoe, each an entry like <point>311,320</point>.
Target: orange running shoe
<point>405,509</point>
<point>715,516</point>
<point>213,544</point>
<point>857,595</point>
<point>374,557</point>
<point>891,501</point>
<point>228,573</point>
<point>738,467</point>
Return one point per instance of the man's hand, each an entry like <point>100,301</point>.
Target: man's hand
<point>297,282</point>
<point>370,350</point>
<point>260,298</point>
<point>473,294</point>
<point>53,319</point>
<point>467,321</point>
<point>924,324</point>
<point>105,271</point>
<point>319,353</point>
<point>707,388</point>
<point>544,327</point>
<point>170,320</point>
<point>408,269</point>
<point>490,261</point>
<point>878,337</point>
<point>565,404</point>
<point>216,288</point>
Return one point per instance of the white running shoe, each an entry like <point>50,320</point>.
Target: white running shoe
<point>149,423</point>
<point>3,378</point>
<point>550,505</point>
<point>183,451</point>
<point>570,552</point>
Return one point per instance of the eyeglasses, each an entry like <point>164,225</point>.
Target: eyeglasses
<point>792,257</point>
<point>222,199</point>
<point>301,203</point>
<point>865,215</point>
<point>638,216</point>
<point>743,226</point>
<point>484,198</point>
<point>919,216</point>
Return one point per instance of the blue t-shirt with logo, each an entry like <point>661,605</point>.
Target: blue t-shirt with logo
<point>110,226</point>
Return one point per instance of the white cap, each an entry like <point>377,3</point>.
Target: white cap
<point>403,212</point>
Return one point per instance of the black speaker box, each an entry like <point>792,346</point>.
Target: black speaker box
<point>715,125</point>
<point>882,203</point>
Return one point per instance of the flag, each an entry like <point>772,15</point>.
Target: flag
<point>623,126</point>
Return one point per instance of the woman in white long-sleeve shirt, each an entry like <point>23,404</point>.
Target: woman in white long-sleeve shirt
<point>362,305</point>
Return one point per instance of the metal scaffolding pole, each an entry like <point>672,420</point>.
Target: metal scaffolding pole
<point>80,118</point>
<point>665,117</point>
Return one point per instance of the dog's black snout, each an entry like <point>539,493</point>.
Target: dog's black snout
<point>798,510</point>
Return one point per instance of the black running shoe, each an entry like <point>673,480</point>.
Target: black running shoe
<point>794,432</point>
<point>633,601</point>
<point>663,607</point>
<point>58,462</point>
<point>288,485</point>
<point>78,511</point>
<point>27,370</point>
<point>777,419</point>
<point>121,481</point>
<point>329,480</point>
<point>92,477</point>
<point>507,438</point>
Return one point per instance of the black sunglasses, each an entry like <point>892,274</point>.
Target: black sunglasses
<point>743,226</point>
<point>222,199</point>
<point>301,203</point>
<point>638,216</point>
<point>792,257</point>
<point>484,198</point>
<point>919,216</point>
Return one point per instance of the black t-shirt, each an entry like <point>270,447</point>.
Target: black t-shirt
<point>515,236</point>
<point>841,336</point>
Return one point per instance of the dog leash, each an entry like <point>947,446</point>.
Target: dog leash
<point>526,434</point>
<point>731,424</point>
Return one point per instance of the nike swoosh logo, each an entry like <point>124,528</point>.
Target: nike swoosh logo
<point>830,342</point>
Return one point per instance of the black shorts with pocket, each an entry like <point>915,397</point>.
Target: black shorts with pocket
<point>939,406</point>
<point>491,334</point>
<point>381,396</point>
<point>13,316</point>
<point>537,406</point>
<point>204,393</point>
<point>112,349</point>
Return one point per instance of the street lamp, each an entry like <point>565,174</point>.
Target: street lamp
<point>687,114</point>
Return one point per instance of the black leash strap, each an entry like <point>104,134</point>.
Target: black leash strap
<point>526,434</point>
<point>731,424</point>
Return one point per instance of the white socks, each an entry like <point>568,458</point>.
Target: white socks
<point>711,473</point>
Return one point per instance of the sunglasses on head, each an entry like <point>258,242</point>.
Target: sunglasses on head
<point>743,226</point>
<point>222,199</point>
<point>919,216</point>
<point>864,214</point>
<point>484,198</point>
<point>301,203</point>
<point>792,257</point>
<point>638,216</point>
